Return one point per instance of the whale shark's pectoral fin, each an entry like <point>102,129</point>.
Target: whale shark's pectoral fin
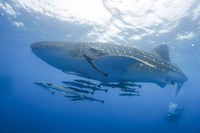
<point>89,60</point>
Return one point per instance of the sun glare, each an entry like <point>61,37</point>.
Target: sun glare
<point>111,18</point>
<point>91,10</point>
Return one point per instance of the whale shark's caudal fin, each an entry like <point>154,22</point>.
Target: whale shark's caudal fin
<point>177,90</point>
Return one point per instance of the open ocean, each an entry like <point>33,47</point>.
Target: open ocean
<point>28,108</point>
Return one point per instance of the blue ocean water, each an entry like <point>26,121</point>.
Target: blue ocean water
<point>27,108</point>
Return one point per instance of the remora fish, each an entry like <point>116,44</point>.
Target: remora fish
<point>79,90</point>
<point>84,86</point>
<point>83,97</point>
<point>130,90</point>
<point>46,85</point>
<point>129,94</point>
<point>121,85</point>
<point>129,84</point>
<point>86,82</point>
<point>112,63</point>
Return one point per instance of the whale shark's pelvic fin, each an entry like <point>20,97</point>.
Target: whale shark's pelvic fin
<point>161,84</point>
<point>89,60</point>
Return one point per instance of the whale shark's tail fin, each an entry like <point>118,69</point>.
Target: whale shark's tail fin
<point>178,88</point>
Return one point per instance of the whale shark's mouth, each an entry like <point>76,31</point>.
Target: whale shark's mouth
<point>48,45</point>
<point>40,45</point>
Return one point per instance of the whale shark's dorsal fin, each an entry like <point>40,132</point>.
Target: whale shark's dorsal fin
<point>162,51</point>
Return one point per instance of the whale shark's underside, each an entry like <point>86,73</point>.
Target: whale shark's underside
<point>112,63</point>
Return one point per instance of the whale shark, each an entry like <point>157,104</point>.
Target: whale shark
<point>112,63</point>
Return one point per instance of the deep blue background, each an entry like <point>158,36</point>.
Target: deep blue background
<point>27,108</point>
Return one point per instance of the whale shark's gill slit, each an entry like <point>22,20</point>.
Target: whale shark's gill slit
<point>89,60</point>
